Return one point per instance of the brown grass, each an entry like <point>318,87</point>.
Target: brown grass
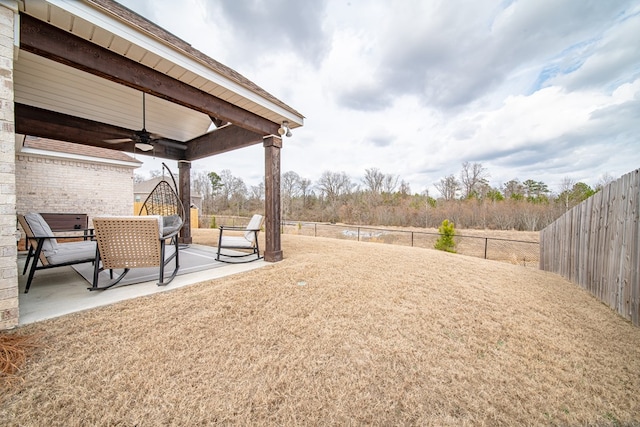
<point>340,333</point>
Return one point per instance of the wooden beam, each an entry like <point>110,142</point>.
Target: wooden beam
<point>50,124</point>
<point>221,140</point>
<point>184,183</point>
<point>50,42</point>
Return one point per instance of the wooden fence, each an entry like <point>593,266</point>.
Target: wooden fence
<point>597,246</point>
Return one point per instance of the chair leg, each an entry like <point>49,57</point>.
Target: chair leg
<point>34,265</point>
<point>219,244</point>
<point>31,273</point>
<point>256,249</point>
<point>96,273</point>
<point>164,262</point>
<point>29,256</point>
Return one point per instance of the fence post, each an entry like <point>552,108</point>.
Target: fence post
<point>412,239</point>
<point>315,229</point>
<point>358,234</point>
<point>486,241</point>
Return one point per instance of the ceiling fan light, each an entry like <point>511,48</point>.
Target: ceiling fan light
<point>144,146</point>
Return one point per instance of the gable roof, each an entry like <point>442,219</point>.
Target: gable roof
<point>145,187</point>
<point>52,145</point>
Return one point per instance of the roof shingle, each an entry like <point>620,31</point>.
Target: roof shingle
<point>78,149</point>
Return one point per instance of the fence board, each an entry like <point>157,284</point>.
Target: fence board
<point>597,246</point>
<point>635,255</point>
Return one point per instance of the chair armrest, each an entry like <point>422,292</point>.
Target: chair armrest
<point>88,234</point>
<point>74,230</point>
<point>82,236</point>
<point>49,237</point>
<point>225,227</point>
<point>170,235</point>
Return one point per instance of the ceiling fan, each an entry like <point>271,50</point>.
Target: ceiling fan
<point>143,139</point>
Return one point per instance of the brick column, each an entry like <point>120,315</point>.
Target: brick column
<point>272,145</point>
<point>8,247</point>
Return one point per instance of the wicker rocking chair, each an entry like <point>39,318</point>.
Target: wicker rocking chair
<point>147,240</point>
<point>126,242</point>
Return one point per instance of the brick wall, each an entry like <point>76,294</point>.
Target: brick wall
<point>58,185</point>
<point>8,251</point>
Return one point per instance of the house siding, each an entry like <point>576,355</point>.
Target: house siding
<point>8,250</point>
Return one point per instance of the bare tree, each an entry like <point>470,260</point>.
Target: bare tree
<point>290,186</point>
<point>472,176</point>
<point>604,180</point>
<point>448,187</point>
<point>390,183</point>
<point>405,188</point>
<point>565,191</point>
<point>333,185</point>
<point>257,191</point>
<point>290,183</point>
<point>232,188</point>
<point>373,180</point>
<point>305,189</point>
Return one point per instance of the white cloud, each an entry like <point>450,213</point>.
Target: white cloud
<point>535,89</point>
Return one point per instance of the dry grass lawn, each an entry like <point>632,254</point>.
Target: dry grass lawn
<point>340,333</point>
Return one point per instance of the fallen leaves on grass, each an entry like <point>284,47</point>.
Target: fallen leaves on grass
<point>14,351</point>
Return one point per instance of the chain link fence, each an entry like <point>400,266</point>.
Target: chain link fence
<point>517,252</point>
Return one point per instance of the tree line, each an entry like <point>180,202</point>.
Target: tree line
<point>382,199</point>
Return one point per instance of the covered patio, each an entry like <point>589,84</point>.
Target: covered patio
<point>65,290</point>
<point>93,72</point>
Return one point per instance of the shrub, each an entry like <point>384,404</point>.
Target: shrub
<point>213,221</point>
<point>445,242</point>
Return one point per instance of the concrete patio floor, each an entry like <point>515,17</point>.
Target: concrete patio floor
<point>59,291</point>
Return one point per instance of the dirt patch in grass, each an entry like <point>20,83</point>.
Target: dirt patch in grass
<point>340,333</point>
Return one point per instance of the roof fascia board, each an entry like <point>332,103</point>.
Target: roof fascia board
<point>157,46</point>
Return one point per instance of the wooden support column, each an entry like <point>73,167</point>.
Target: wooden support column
<point>272,145</point>
<point>184,179</point>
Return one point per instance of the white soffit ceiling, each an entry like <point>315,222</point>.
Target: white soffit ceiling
<point>89,23</point>
<point>50,85</point>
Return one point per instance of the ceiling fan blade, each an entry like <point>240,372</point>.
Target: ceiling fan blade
<point>117,141</point>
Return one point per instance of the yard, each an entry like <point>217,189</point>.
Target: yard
<point>340,333</point>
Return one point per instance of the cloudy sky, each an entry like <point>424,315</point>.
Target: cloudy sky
<point>531,89</point>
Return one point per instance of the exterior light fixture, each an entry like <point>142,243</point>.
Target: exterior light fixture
<point>284,129</point>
